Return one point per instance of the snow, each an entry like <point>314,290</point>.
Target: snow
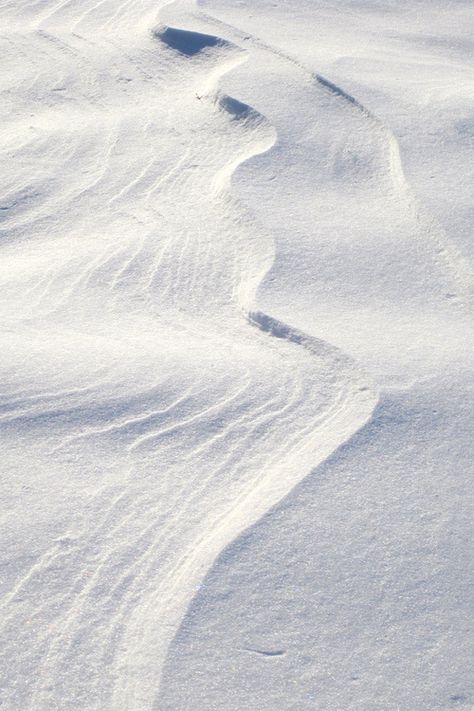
<point>236,405</point>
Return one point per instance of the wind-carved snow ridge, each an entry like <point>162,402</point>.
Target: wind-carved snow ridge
<point>356,399</point>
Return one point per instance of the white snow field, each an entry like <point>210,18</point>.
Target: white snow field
<point>236,298</point>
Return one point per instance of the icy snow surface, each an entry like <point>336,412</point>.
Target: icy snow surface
<point>237,365</point>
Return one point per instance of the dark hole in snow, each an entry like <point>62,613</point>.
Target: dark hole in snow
<point>188,43</point>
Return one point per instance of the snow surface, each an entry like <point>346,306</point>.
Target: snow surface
<point>237,358</point>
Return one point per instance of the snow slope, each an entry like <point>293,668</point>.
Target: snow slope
<point>212,262</point>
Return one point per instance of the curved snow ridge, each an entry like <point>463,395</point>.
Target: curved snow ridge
<point>251,119</point>
<point>318,439</point>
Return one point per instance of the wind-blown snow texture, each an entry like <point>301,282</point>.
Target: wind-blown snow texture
<point>236,298</point>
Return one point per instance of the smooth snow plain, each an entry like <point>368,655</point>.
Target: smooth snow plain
<point>237,355</point>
